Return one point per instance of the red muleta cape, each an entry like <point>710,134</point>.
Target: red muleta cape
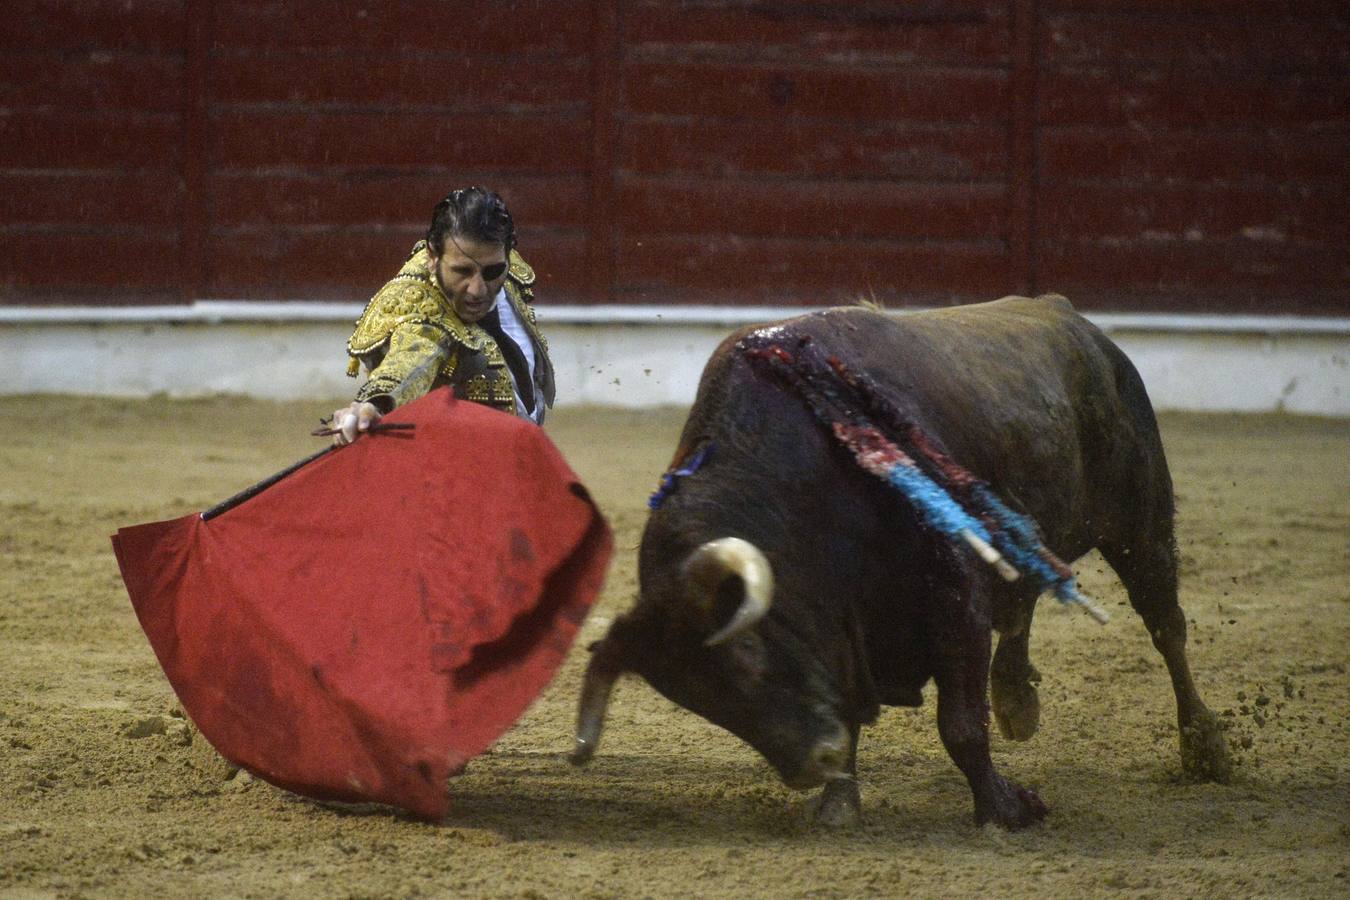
<point>362,628</point>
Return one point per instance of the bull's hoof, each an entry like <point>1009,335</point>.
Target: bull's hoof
<point>1010,805</point>
<point>838,806</point>
<point>1017,708</point>
<point>1204,755</point>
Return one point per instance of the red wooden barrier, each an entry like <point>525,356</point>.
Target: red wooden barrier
<point>1170,155</point>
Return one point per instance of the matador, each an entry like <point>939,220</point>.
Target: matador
<point>459,312</point>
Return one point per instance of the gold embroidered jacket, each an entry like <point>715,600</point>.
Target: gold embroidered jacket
<point>410,340</point>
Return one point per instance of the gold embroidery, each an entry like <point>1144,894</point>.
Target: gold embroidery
<point>493,389</point>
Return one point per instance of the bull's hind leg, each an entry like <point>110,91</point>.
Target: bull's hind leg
<point>1149,572</point>
<point>1012,678</point>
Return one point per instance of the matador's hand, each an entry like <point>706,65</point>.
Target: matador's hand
<point>353,421</point>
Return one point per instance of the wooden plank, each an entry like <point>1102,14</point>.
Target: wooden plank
<point>606,70</point>
<point>1209,300</point>
<point>60,139</point>
<point>82,26</point>
<point>1185,211</point>
<point>352,263</point>
<point>1073,154</point>
<point>828,210</point>
<point>195,137</point>
<point>556,27</point>
<point>424,82</point>
<point>804,149</point>
<point>401,201</point>
<point>1185,99</point>
<point>1022,169</point>
<point>151,200</point>
<point>956,32</point>
<point>709,269</point>
<point>1308,9</point>
<point>117,296</point>
<point>393,140</point>
<point>99,80</point>
<point>561,262</point>
<point>776,92</point>
<point>321,264</point>
<point>1293,276</point>
<point>126,262</point>
<point>1203,46</point>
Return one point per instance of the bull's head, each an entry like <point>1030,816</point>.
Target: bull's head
<point>700,644</point>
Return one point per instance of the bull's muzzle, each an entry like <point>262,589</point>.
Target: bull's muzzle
<point>829,759</point>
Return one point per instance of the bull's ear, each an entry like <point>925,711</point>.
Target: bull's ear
<point>728,585</point>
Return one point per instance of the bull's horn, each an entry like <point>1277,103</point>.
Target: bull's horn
<point>711,564</point>
<point>601,673</point>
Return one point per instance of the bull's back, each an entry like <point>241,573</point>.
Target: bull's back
<point>1024,392</point>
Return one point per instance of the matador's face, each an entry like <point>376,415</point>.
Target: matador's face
<point>470,273</point>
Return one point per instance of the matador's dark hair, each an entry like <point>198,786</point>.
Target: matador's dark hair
<point>475,213</point>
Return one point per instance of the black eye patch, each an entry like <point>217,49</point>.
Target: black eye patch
<point>494,271</point>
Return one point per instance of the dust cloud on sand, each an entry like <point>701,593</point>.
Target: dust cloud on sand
<point>106,790</point>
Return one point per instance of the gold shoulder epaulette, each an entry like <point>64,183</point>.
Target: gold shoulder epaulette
<point>410,296</point>
<point>401,300</point>
<point>520,270</point>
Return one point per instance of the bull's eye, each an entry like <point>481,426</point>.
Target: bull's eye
<point>746,652</point>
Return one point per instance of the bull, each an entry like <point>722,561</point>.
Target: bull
<point>786,596</point>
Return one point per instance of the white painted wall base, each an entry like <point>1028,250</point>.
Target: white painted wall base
<point>619,356</point>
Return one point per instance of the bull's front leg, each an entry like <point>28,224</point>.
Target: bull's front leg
<point>839,804</point>
<point>962,651</point>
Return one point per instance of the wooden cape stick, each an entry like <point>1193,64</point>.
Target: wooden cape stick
<point>250,492</point>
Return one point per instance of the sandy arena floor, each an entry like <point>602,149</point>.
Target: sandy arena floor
<point>106,791</point>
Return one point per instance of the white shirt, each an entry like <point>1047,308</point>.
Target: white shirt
<point>515,330</point>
